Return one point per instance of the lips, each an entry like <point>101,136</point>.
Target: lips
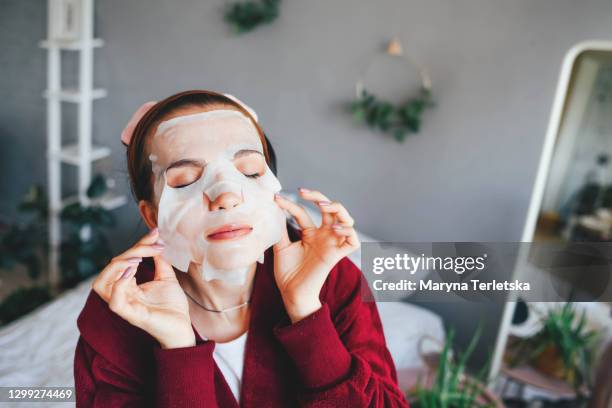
<point>229,231</point>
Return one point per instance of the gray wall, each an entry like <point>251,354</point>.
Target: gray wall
<point>467,176</point>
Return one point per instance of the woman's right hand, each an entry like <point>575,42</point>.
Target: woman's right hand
<point>159,306</point>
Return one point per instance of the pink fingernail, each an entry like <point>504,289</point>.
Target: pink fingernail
<point>160,241</point>
<point>154,231</point>
<point>134,260</point>
<point>337,226</point>
<point>158,246</point>
<point>304,190</point>
<point>276,195</point>
<point>127,272</point>
<point>324,203</point>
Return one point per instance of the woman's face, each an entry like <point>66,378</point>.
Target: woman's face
<point>214,191</point>
<point>184,147</point>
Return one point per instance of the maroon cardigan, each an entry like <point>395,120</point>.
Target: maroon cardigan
<point>336,357</point>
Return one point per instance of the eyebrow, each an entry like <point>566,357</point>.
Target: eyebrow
<point>202,163</point>
<point>186,163</point>
<point>245,152</point>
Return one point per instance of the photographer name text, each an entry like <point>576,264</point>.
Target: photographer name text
<point>430,285</point>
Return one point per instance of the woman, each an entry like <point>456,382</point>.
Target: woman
<point>291,331</point>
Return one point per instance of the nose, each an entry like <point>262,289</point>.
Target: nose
<point>225,201</point>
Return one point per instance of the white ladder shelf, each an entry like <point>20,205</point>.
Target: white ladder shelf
<point>83,153</point>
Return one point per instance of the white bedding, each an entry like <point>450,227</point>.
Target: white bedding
<point>38,349</point>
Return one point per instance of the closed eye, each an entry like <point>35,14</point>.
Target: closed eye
<point>252,165</point>
<point>183,173</point>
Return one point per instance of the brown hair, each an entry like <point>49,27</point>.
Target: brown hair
<point>139,166</point>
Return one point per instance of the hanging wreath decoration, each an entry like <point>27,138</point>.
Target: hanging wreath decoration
<point>247,15</point>
<point>396,120</point>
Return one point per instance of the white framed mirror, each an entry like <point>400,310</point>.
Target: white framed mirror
<point>572,194</point>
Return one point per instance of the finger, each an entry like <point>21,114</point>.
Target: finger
<point>119,299</point>
<point>151,237</point>
<point>296,211</point>
<point>338,210</point>
<point>318,198</point>
<point>133,255</point>
<point>352,242</point>
<point>341,230</point>
<point>141,251</point>
<point>312,195</point>
<point>163,270</point>
<point>103,283</point>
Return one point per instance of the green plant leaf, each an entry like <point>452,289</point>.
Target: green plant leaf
<point>359,114</point>
<point>399,135</point>
<point>97,188</point>
<point>35,201</point>
<point>372,115</point>
<point>567,333</point>
<point>33,264</point>
<point>385,116</point>
<point>246,16</point>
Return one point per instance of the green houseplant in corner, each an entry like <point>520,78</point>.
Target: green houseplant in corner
<point>562,348</point>
<point>84,252</point>
<point>86,249</point>
<point>452,387</point>
<point>25,243</point>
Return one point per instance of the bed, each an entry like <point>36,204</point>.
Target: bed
<point>38,349</point>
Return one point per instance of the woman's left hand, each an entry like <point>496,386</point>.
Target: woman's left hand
<point>301,268</point>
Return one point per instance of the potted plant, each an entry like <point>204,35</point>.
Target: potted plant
<point>561,349</point>
<point>451,386</point>
<point>84,252</point>
<point>23,245</point>
<point>86,249</point>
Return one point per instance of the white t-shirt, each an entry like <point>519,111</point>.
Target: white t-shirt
<point>230,359</point>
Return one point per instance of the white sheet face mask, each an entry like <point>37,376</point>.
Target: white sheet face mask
<point>220,195</point>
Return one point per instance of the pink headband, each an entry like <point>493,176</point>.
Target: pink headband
<point>128,131</point>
